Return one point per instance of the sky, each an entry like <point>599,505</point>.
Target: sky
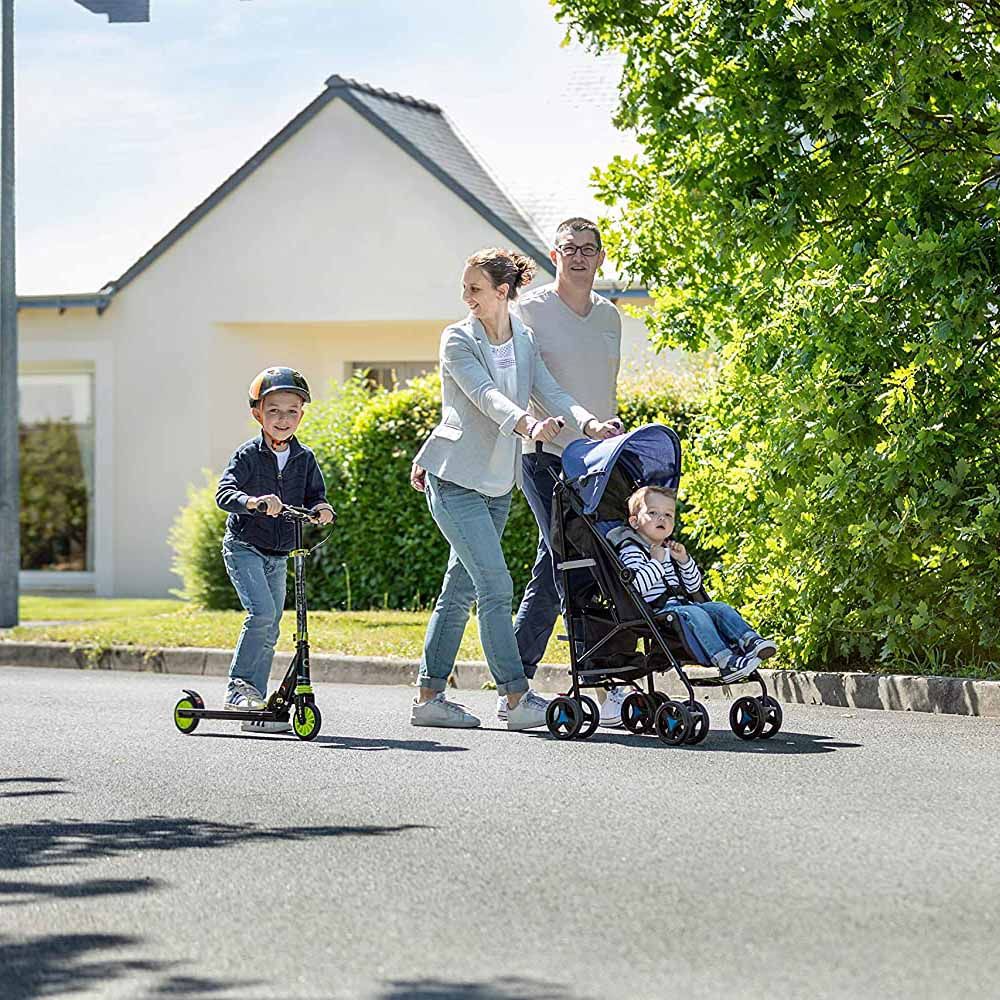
<point>123,128</point>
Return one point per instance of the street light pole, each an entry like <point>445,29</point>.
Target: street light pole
<point>10,507</point>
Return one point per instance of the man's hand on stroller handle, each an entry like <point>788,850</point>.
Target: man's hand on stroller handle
<point>602,430</point>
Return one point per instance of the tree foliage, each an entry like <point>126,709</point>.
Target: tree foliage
<point>816,197</point>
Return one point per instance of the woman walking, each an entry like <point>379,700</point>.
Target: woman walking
<point>467,469</point>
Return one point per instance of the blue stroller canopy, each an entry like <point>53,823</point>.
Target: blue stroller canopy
<point>650,456</point>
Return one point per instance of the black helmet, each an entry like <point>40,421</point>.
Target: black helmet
<point>277,380</point>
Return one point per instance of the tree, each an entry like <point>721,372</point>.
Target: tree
<point>816,197</point>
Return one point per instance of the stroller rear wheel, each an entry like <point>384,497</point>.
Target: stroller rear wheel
<point>673,723</point>
<point>637,713</point>
<point>747,718</point>
<point>699,722</point>
<point>591,717</point>
<point>564,717</point>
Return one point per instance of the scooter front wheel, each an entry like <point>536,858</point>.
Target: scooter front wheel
<point>307,727</point>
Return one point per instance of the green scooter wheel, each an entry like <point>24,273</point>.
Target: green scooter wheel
<point>307,728</point>
<point>186,724</point>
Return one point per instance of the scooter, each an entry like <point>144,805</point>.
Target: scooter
<point>294,696</point>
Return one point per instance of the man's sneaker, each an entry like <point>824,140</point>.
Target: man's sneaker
<point>528,713</point>
<point>738,667</point>
<point>763,649</point>
<point>266,726</point>
<point>611,710</point>
<point>438,712</point>
<point>502,708</point>
<point>243,697</point>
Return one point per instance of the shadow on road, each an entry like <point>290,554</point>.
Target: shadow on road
<point>30,792</point>
<point>344,742</point>
<point>45,843</point>
<point>506,989</point>
<point>64,963</point>
<point>725,742</point>
<point>21,893</point>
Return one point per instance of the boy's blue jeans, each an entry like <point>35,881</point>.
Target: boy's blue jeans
<point>260,585</point>
<point>719,628</point>
<point>473,525</point>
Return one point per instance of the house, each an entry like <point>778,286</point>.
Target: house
<point>336,246</point>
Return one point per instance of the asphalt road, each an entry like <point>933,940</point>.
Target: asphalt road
<point>854,855</point>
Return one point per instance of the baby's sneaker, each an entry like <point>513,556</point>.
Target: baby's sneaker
<point>242,696</point>
<point>760,647</point>
<point>441,713</point>
<point>528,713</point>
<point>736,668</point>
<point>611,710</point>
<point>266,726</point>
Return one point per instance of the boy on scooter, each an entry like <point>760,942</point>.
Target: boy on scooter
<point>273,469</point>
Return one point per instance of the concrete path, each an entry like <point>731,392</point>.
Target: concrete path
<point>855,855</point>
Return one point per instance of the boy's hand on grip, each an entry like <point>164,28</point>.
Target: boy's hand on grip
<point>274,504</point>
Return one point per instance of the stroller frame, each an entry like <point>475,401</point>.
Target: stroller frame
<point>675,722</point>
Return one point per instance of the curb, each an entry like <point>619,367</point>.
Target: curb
<point>889,692</point>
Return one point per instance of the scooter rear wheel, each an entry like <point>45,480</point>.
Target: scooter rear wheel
<point>186,724</point>
<point>309,726</point>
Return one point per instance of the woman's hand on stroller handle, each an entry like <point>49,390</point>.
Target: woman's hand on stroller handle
<point>602,430</point>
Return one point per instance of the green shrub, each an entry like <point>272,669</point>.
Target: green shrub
<point>385,551</point>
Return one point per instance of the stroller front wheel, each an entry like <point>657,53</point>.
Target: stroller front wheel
<point>772,717</point>
<point>591,717</point>
<point>637,713</point>
<point>747,718</point>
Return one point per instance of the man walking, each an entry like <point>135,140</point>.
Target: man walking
<point>579,335</point>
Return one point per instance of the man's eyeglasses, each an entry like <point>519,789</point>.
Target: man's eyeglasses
<point>571,250</point>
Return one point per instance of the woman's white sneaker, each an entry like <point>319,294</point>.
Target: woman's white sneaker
<point>528,713</point>
<point>611,710</point>
<point>441,713</point>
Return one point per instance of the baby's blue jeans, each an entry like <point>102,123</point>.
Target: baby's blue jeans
<point>719,628</point>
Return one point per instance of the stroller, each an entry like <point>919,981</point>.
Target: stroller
<point>607,618</point>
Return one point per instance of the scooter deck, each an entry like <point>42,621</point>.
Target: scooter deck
<point>212,713</point>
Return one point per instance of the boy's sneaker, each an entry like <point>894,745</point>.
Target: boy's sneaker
<point>502,708</point>
<point>266,726</point>
<point>611,710</point>
<point>737,668</point>
<point>528,713</point>
<point>441,713</point>
<point>762,648</point>
<point>243,697</point>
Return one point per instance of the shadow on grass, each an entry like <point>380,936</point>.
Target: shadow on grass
<point>506,989</point>
<point>718,741</point>
<point>69,963</point>
<point>46,843</point>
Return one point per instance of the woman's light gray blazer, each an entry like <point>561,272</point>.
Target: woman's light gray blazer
<point>474,411</point>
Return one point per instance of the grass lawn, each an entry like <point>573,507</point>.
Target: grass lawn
<point>89,609</point>
<point>103,623</point>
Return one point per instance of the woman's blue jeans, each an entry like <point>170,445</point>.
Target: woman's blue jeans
<point>473,525</point>
<point>719,628</point>
<point>260,585</point>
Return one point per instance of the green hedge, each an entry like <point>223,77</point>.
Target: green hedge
<point>385,551</point>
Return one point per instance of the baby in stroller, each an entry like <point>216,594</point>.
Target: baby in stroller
<point>667,578</point>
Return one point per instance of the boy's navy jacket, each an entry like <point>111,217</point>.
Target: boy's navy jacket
<point>253,472</point>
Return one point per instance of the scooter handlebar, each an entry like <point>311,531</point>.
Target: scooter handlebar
<point>291,513</point>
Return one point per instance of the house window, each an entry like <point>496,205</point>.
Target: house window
<point>56,434</point>
<point>390,374</point>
